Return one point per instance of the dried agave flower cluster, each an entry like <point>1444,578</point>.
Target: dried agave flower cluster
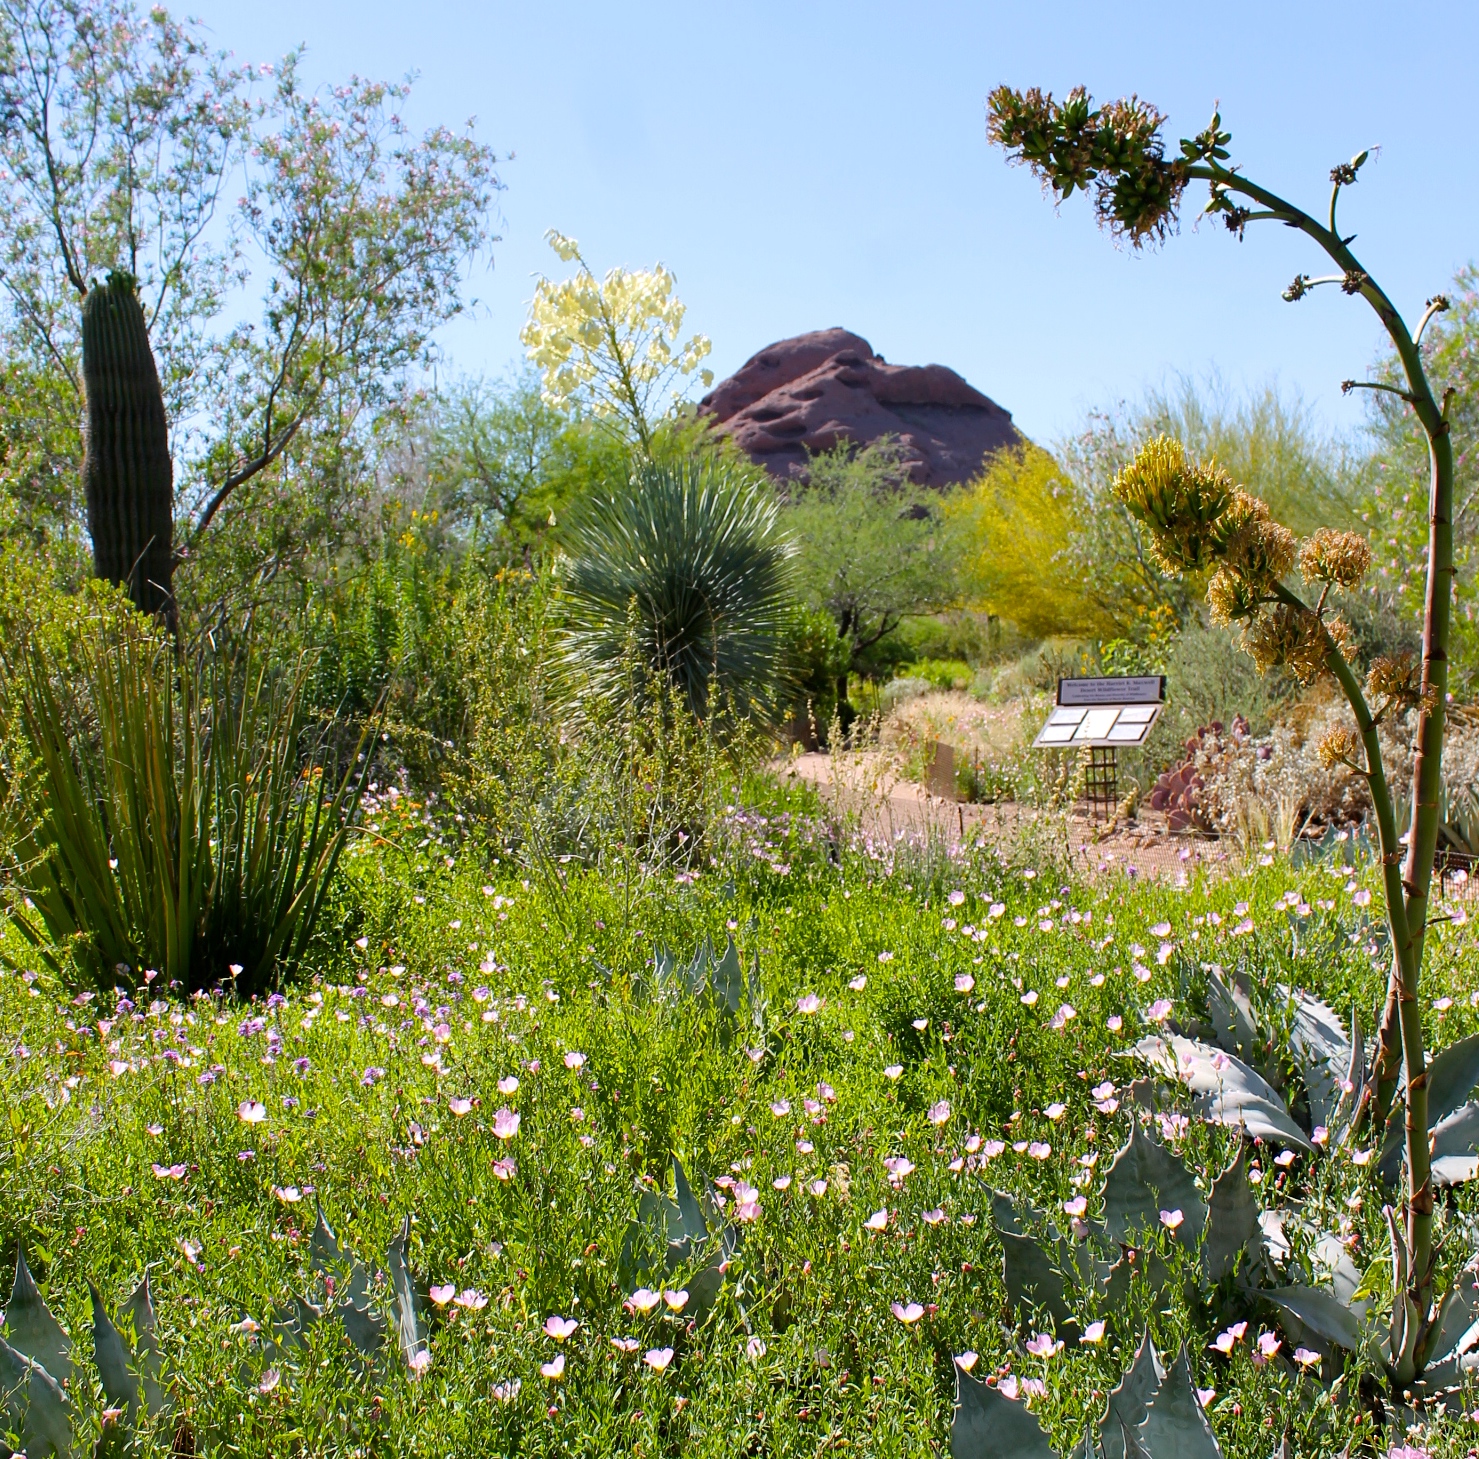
<point>1199,519</point>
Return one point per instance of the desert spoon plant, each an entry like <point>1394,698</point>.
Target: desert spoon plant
<point>1200,521</point>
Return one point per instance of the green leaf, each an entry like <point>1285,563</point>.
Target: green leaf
<point>34,1405</point>
<point>728,979</point>
<point>988,1425</point>
<point>31,1329</point>
<point>1175,1427</point>
<point>1325,1317</point>
<point>1128,1400</point>
<point>1145,1179</point>
<point>1231,1012</point>
<point>1232,1218</point>
<point>1032,1282</point>
<point>403,1295</point>
<point>1228,1091</point>
<point>1322,1051</point>
<point>115,1363</point>
<point>364,1327</point>
<point>140,1312</point>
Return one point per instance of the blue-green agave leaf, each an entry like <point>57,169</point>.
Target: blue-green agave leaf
<point>1232,1218</point>
<point>1227,1091</point>
<point>988,1425</point>
<point>728,979</point>
<point>1145,1179</point>
<point>115,1362</point>
<point>34,1405</point>
<point>140,1311</point>
<point>1128,1400</point>
<point>1327,1318</point>
<point>403,1297</point>
<point>1175,1426</point>
<point>30,1328</point>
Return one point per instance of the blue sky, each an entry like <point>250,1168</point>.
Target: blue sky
<point>806,164</point>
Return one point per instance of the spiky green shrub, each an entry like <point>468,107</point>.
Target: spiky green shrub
<point>179,821</point>
<point>688,563</point>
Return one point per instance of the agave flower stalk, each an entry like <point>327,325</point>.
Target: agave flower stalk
<point>1199,520</point>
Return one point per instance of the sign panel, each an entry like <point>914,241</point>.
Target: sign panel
<point>1146,689</point>
<point>1104,712</point>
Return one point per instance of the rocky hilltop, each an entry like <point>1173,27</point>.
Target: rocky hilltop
<point>809,393</point>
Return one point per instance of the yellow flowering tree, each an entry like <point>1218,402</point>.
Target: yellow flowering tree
<point>611,346</point>
<point>1017,520</point>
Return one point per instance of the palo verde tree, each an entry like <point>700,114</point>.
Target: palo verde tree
<point>1199,520</point>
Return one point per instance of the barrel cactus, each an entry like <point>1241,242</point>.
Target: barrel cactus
<point>126,469</point>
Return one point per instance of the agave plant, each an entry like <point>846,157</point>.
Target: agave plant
<point>39,1373</point>
<point>686,569</point>
<point>180,822</point>
<point>680,1234</point>
<point>1202,525</point>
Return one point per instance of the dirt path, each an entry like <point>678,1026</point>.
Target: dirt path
<point>887,805</point>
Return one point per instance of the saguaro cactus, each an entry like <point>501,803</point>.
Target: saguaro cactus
<point>126,469</point>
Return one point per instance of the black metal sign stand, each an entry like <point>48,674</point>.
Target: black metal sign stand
<point>1100,784</point>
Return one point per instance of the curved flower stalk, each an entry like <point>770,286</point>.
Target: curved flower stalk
<point>1199,519</point>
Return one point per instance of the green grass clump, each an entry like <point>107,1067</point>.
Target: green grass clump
<point>446,977</point>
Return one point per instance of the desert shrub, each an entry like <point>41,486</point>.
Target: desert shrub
<point>901,691</point>
<point>813,660</point>
<point>688,561</point>
<point>178,821</point>
<point>943,673</point>
<point>628,781</point>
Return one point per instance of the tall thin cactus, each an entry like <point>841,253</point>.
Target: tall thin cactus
<point>126,468</point>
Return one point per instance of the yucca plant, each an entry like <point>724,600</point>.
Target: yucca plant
<point>687,564</point>
<point>180,823</point>
<point>1201,522</point>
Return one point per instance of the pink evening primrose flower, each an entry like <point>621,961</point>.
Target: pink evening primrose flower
<point>1268,1345</point>
<point>658,1359</point>
<point>574,1060</point>
<point>1039,1150</point>
<point>470,1299</point>
<point>858,983</point>
<point>934,1217</point>
<point>808,1003</point>
<point>508,1085</point>
<point>460,1107</point>
<point>1305,1358</point>
<point>251,1112</point>
<point>1159,1011</point>
<point>907,1313</point>
<point>967,1360</point>
<point>555,1370</point>
<point>440,1296</point>
<point>505,1124</point>
<point>560,1328</point>
<point>964,982</point>
<point>939,1113</point>
<point>1172,1219</point>
<point>1043,1346</point>
<point>877,1221</point>
<point>1114,1023</point>
<point>1094,1332</point>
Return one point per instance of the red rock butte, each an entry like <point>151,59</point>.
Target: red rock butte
<point>808,394</point>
